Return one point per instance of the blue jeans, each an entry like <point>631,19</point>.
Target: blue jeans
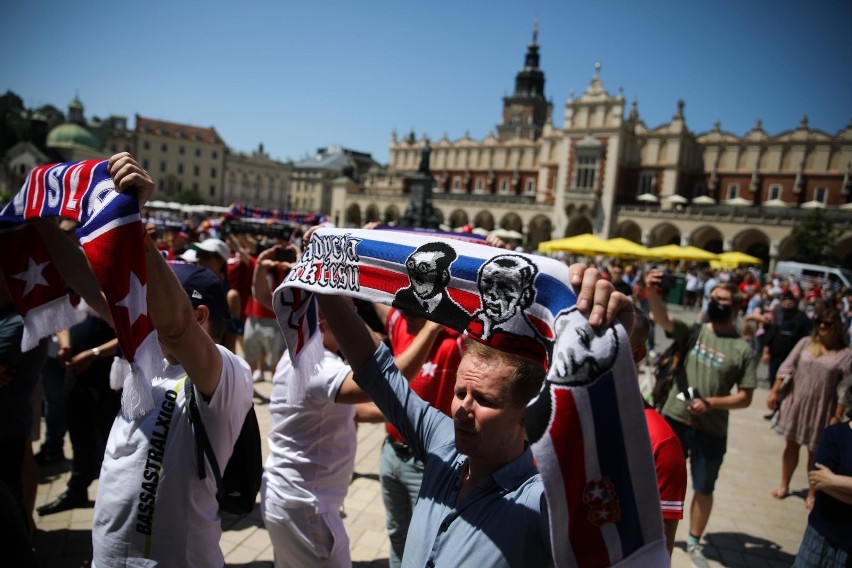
<point>400,476</point>
<point>705,453</point>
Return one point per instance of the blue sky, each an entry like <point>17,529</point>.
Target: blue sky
<point>301,75</point>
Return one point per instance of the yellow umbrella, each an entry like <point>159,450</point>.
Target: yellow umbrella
<point>733,259</point>
<point>628,248</point>
<point>675,252</point>
<point>586,244</point>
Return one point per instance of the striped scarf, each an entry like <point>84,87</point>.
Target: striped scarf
<point>110,234</point>
<point>586,427</point>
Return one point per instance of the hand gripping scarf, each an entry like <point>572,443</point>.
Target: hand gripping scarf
<point>110,234</point>
<point>586,427</point>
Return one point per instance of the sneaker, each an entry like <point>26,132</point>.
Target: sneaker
<point>257,376</point>
<point>696,555</point>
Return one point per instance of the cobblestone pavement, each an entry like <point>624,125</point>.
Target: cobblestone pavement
<point>748,528</point>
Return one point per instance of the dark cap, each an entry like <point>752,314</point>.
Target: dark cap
<point>203,287</point>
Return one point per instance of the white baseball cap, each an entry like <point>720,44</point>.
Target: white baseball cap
<point>215,246</point>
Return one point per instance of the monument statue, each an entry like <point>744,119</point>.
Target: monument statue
<point>424,158</point>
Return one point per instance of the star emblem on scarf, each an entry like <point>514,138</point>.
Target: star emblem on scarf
<point>32,276</point>
<point>135,301</point>
<point>428,369</point>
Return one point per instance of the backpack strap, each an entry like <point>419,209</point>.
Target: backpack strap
<point>680,375</point>
<point>202,442</point>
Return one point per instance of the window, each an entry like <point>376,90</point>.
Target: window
<point>180,168</point>
<point>212,191</point>
<point>145,164</point>
<point>160,185</point>
<point>821,194</point>
<point>146,145</point>
<point>215,154</point>
<point>197,152</point>
<point>480,185</point>
<point>774,192</point>
<point>195,170</point>
<point>212,172</point>
<point>647,181</point>
<point>530,186</point>
<point>195,186</point>
<point>162,166</point>
<point>180,185</point>
<point>733,191</point>
<point>504,186</point>
<point>585,171</point>
<point>180,150</point>
<point>456,182</point>
<point>164,147</point>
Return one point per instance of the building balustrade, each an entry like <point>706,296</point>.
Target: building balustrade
<point>751,215</point>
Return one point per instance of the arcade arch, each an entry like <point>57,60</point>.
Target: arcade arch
<point>459,218</point>
<point>485,220</point>
<point>539,230</point>
<point>353,216</point>
<point>664,234</point>
<point>629,230</point>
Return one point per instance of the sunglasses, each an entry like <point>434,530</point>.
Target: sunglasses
<point>826,322</point>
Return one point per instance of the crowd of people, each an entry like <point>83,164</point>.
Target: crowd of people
<point>457,475</point>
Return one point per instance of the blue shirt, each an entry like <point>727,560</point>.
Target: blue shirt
<point>501,523</point>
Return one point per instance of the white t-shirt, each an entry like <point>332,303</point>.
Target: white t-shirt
<point>151,509</point>
<point>312,443</point>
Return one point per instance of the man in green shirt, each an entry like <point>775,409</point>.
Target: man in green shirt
<point>719,361</point>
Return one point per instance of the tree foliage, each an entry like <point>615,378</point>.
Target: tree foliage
<point>189,197</point>
<point>815,239</point>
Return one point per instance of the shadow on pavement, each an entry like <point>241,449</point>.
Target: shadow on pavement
<point>735,549</point>
<point>63,548</point>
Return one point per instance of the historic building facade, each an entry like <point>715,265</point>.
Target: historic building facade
<point>604,171</point>
<point>181,157</point>
<point>257,179</point>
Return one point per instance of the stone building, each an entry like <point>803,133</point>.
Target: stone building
<point>257,179</point>
<point>182,157</point>
<point>314,178</point>
<point>605,171</point>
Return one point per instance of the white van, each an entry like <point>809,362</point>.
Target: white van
<point>809,272</point>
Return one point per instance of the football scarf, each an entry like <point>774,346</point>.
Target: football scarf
<point>586,427</point>
<point>110,234</point>
<point>296,217</point>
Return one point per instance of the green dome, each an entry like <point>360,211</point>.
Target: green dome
<point>69,134</point>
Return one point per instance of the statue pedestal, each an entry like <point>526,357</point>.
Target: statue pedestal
<point>420,212</point>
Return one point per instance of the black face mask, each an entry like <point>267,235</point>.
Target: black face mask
<point>788,312</point>
<point>717,313</point>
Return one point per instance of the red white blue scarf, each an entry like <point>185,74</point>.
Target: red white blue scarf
<point>587,426</point>
<point>110,234</point>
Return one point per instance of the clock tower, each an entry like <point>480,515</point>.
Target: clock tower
<point>526,111</point>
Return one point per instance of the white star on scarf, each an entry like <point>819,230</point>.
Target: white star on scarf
<point>597,492</point>
<point>135,301</point>
<point>32,275</point>
<point>428,369</point>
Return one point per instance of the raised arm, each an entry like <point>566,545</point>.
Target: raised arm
<point>653,285</point>
<point>178,325</point>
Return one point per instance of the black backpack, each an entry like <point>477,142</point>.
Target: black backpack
<point>237,489</point>
<point>669,369</point>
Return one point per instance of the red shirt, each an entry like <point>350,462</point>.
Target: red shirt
<point>670,464</point>
<point>437,378</point>
<point>240,275</point>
